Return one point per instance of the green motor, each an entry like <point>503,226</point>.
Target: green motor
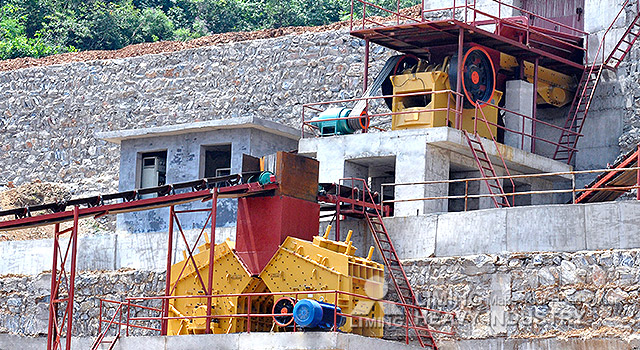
<point>338,126</point>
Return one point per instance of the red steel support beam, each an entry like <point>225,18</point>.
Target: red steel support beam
<point>167,289</point>
<point>72,275</point>
<point>53,310</point>
<point>535,104</point>
<point>365,82</point>
<point>212,246</point>
<point>459,99</point>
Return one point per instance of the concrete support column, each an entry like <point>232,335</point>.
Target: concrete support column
<point>519,99</point>
<point>541,185</point>
<point>332,162</point>
<point>421,163</point>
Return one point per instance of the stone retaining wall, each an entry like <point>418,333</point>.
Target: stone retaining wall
<point>585,294</point>
<point>48,115</point>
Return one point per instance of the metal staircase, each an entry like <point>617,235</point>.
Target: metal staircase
<point>398,277</point>
<point>625,44</point>
<point>566,146</point>
<point>487,171</point>
<point>358,201</point>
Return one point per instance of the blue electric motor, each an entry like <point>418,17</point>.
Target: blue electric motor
<point>309,313</point>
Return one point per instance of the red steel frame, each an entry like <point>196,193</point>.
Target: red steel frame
<point>61,325</point>
<point>63,271</point>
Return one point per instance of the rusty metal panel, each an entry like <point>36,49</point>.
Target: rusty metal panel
<point>568,12</point>
<point>265,222</point>
<point>297,176</point>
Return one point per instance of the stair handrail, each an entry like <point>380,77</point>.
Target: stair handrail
<point>366,191</point>
<point>495,143</point>
<point>103,334</point>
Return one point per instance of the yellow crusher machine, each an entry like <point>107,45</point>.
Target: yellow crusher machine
<point>297,266</point>
<point>427,101</point>
<point>278,250</point>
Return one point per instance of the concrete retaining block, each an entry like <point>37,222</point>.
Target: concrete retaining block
<point>546,228</point>
<point>473,232</point>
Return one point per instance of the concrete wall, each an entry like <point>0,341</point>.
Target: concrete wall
<point>565,228</point>
<point>299,341</point>
<point>237,341</point>
<point>143,251</point>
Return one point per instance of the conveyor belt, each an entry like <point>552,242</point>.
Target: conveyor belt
<point>130,201</point>
<point>598,191</point>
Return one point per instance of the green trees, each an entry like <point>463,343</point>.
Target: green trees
<point>38,28</point>
<point>14,41</point>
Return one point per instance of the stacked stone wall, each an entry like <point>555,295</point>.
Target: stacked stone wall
<point>532,295</point>
<point>48,115</point>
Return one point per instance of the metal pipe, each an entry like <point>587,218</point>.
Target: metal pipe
<point>167,289</point>
<point>72,276</point>
<point>212,245</point>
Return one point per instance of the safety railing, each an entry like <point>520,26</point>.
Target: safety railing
<point>310,111</point>
<point>527,132</point>
<point>490,14</point>
<point>109,321</point>
<point>424,316</point>
<point>467,196</point>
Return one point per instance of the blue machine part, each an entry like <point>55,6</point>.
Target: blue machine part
<point>309,313</point>
<point>337,127</point>
<point>266,177</point>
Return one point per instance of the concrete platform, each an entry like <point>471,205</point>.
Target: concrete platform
<point>562,227</point>
<point>380,144</point>
<point>543,228</point>
<point>236,341</point>
<point>419,155</point>
<point>320,341</point>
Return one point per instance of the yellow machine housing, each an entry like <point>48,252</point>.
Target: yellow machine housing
<point>298,265</point>
<point>230,277</point>
<point>435,81</point>
<point>329,265</point>
<point>553,87</point>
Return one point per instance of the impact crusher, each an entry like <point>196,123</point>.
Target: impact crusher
<point>278,249</point>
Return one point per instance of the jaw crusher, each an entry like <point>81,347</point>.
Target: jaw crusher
<point>278,250</point>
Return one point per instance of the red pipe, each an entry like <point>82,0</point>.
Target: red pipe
<point>212,245</point>
<point>72,276</point>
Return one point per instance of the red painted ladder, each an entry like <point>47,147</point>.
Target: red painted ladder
<point>566,147</point>
<point>487,171</point>
<point>396,272</point>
